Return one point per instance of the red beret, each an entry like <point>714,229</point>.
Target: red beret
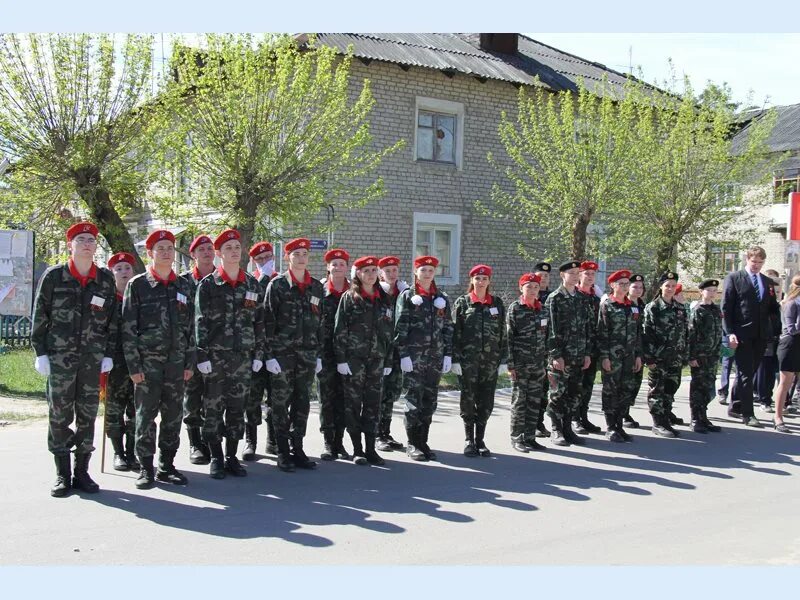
<point>157,236</point>
<point>529,278</point>
<point>121,257</point>
<point>389,261</point>
<point>617,275</point>
<point>481,270</point>
<point>426,261</point>
<point>366,261</point>
<point>83,227</point>
<point>200,239</point>
<point>337,253</point>
<point>678,289</point>
<point>260,248</point>
<point>225,236</point>
<point>588,265</point>
<point>295,244</point>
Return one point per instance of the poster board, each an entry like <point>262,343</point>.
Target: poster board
<point>16,272</point>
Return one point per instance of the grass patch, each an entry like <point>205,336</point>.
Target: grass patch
<point>15,416</point>
<point>17,375</point>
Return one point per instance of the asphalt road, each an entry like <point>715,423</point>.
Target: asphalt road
<point>727,498</point>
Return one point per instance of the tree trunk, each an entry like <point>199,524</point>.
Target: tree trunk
<point>665,259</point>
<point>246,225</point>
<point>579,227</point>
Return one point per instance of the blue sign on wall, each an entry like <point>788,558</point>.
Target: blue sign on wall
<point>319,244</point>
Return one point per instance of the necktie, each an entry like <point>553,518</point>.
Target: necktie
<point>755,285</point>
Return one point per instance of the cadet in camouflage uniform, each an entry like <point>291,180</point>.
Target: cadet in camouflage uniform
<point>202,252</point>
<point>293,344</point>
<point>157,335</point>
<point>393,382</point>
<point>526,330</point>
<point>479,353</point>
<point>424,341</point>
<point>262,255</point>
<point>120,413</point>
<point>619,352</point>
<point>585,289</point>
<point>568,347</point>
<point>543,269</point>
<point>74,336</point>
<point>363,345</point>
<point>705,339</point>
<point>635,293</point>
<point>664,337</point>
<point>332,419</point>
<point>230,347</point>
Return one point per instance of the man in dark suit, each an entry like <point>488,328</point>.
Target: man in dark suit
<point>748,304</point>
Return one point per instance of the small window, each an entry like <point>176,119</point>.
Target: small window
<point>439,235</point>
<point>439,131</point>
<point>721,258</point>
<point>785,184</point>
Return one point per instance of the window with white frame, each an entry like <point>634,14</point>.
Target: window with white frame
<point>439,235</point>
<point>439,131</point>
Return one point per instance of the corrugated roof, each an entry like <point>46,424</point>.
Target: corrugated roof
<point>461,52</point>
<point>784,136</point>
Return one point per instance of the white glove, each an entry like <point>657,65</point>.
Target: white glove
<point>406,366</point>
<point>387,371</point>
<point>455,368</point>
<point>107,364</point>
<point>204,367</point>
<point>42,365</point>
<point>502,369</point>
<point>257,364</point>
<point>318,368</point>
<point>447,364</point>
<point>343,368</point>
<point>273,366</point>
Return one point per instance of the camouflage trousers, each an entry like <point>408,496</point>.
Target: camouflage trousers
<point>259,387</point>
<point>421,391</point>
<point>702,387</point>
<point>587,384</point>
<point>392,388</point>
<point>291,391</point>
<point>227,388</point>
<point>330,389</point>
<point>161,392</point>
<point>663,380</point>
<point>529,386</point>
<point>73,394</point>
<point>362,396</point>
<point>477,382</point>
<point>565,391</point>
<point>636,385</point>
<point>193,400</point>
<point>120,413</point>
<point>618,383</point>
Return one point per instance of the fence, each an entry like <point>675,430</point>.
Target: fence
<point>15,331</point>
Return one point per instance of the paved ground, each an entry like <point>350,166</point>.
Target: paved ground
<point>727,498</point>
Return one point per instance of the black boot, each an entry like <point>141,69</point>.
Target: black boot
<point>533,445</point>
<point>358,451</point>
<point>666,422</point>
<point>250,441</point>
<point>519,444</point>
<point>217,462</point>
<point>393,443</point>
<point>147,477</point>
<point>232,464</point>
<point>382,440</point>
<point>338,440</point>
<point>630,423</point>
<point>557,434</point>
<point>63,483</point>
<point>675,420</point>
<point>413,450</point>
<point>576,426</point>
<point>120,460</point>
<point>569,435</point>
<point>130,446</point>
<point>167,471</point>
<point>299,457</point>
<point>373,457</point>
<point>284,455</point>
<point>469,440</point>
<point>271,448</point>
<point>541,430</point>
<point>329,446</point>
<point>424,431</point>
<point>698,425</point>
<point>80,475</point>
<point>612,435</point>
<point>709,425</point>
<point>199,453</point>
<point>480,431</point>
<point>618,417</point>
<point>659,428</point>
<point>586,424</point>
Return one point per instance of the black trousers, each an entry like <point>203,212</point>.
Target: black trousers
<point>764,381</point>
<point>748,357</point>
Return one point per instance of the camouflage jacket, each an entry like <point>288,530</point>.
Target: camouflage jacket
<point>568,337</point>
<point>329,304</point>
<point>479,331</point>
<point>292,319</point>
<point>421,330</point>
<point>157,319</point>
<point>119,350</point>
<point>229,318</point>
<point>526,331</point>
<point>664,333</point>
<point>364,328</point>
<point>69,318</point>
<point>705,331</point>
<point>592,305</point>
<point>619,330</point>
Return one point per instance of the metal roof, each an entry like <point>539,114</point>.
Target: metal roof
<point>784,136</point>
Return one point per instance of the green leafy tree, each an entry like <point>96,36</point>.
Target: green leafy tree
<point>77,123</point>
